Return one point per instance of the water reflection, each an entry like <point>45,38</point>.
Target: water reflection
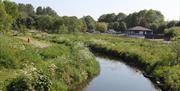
<point>117,76</point>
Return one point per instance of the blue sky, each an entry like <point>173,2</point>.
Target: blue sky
<point>95,8</point>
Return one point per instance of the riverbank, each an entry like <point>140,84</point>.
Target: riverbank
<point>27,66</point>
<point>137,60</point>
<point>127,60</point>
<point>156,59</point>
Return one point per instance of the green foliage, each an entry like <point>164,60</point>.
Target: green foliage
<point>11,9</point>
<point>170,76</point>
<point>44,22</point>
<point>148,18</point>
<point>145,18</point>
<point>157,59</point>
<point>22,23</point>
<point>39,10</point>
<point>90,22</point>
<point>5,19</point>
<point>172,24</point>
<point>107,18</point>
<point>71,23</point>
<point>102,27</point>
<point>113,25</point>
<point>120,17</point>
<point>172,32</point>
<point>118,26</point>
<point>61,66</point>
<point>122,26</point>
<point>7,55</point>
<point>176,48</point>
<point>33,81</point>
<point>20,84</point>
<point>46,19</point>
<point>26,10</point>
<point>63,29</point>
<point>45,11</point>
<point>82,25</point>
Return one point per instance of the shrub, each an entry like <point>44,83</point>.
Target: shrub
<point>172,32</point>
<point>34,81</point>
<point>102,27</point>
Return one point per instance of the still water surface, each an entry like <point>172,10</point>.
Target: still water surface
<point>118,76</point>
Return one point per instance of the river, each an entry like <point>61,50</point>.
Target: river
<point>118,76</point>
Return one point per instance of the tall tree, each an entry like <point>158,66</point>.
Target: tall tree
<point>172,24</point>
<point>122,26</point>
<point>11,9</point>
<point>57,23</point>
<point>90,22</point>
<point>46,11</point>
<point>116,26</point>
<point>26,9</point>
<point>71,23</point>
<point>145,18</point>
<point>30,10</point>
<point>120,17</point>
<point>107,18</point>
<point>5,19</point>
<point>178,24</point>
<point>50,11</point>
<point>39,10</point>
<point>44,23</point>
<point>82,25</point>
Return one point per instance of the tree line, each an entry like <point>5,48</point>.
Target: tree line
<point>152,19</point>
<point>22,17</point>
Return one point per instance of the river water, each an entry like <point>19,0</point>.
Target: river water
<point>118,76</point>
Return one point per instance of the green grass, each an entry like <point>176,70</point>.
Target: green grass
<point>154,57</point>
<point>68,61</point>
<point>62,66</point>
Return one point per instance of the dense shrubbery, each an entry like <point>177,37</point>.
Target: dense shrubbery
<point>33,81</point>
<point>102,27</point>
<point>170,76</point>
<point>172,32</point>
<point>60,66</point>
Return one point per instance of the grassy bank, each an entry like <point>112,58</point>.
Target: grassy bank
<point>68,62</point>
<point>157,59</point>
<point>58,67</point>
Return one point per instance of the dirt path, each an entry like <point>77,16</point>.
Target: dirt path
<point>35,42</point>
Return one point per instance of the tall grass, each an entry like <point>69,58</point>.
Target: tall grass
<point>60,66</point>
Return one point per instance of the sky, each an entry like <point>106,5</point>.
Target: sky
<point>95,8</point>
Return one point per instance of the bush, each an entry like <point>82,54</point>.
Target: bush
<point>172,32</point>
<point>33,82</point>
<point>102,27</point>
<point>21,83</point>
